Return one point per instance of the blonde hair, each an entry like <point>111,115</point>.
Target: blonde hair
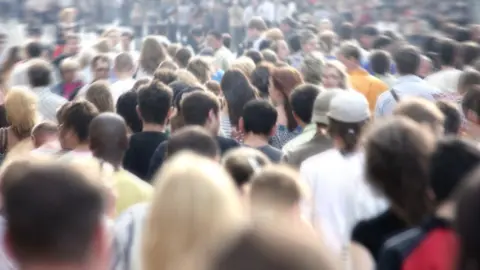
<point>67,15</point>
<point>200,67</point>
<point>342,70</point>
<point>312,67</point>
<point>69,64</point>
<point>99,94</point>
<point>244,64</point>
<point>21,109</point>
<point>173,48</point>
<point>152,54</point>
<point>168,64</point>
<point>102,46</point>
<point>187,77</point>
<point>194,209</point>
<point>274,34</point>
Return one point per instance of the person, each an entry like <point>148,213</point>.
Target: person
<point>127,108</point>
<point>151,55</point>
<point>123,68</point>
<point>368,34</point>
<point>74,128</point>
<point>44,133</point>
<point>154,109</point>
<point>100,68</point>
<point>237,28</point>
<point>360,79</point>
<point>281,49</point>
<point>334,75</point>
<point>338,173</point>
<point>320,141</point>
<point>308,44</point>
<point>69,78</point>
<point>179,194</point>
<point>435,238</point>
<point>425,68</point>
<point>21,109</point>
<point>12,58</point>
<point>200,68</point>
<point>183,56</point>
<point>254,55</point>
<point>423,112</point>
<point>446,80</point>
<point>223,56</point>
<point>302,99</point>
<point>197,108</point>
<point>244,64</point>
<point>260,79</point>
<point>19,74</point>
<point>453,117</point>
<point>380,62</point>
<point>283,81</point>
<point>257,123</point>
<point>312,68</point>
<point>193,139</point>
<point>70,49</point>
<point>256,26</point>
<point>108,142</point>
<point>407,60</point>
<point>269,56</point>
<point>39,74</point>
<point>399,175</point>
<point>237,91</point>
<point>43,232</point>
<point>99,94</point>
<point>164,75</point>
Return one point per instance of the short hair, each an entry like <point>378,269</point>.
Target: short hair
<point>183,56</point>
<point>260,78</point>
<point>195,139</point>
<point>226,40</point>
<point>155,102</point>
<point>216,34</point>
<point>257,23</point>
<point>467,79</point>
<point>39,73</point>
<point>312,67</point>
<point>100,58</point>
<point>255,55</point>
<point>447,52</point>
<point>380,61</point>
<point>269,56</point>
<point>421,111</point>
<point>34,49</point>
<point>168,64</point>
<point>294,43</point>
<point>100,95</point>
<point>139,83</point>
<point>302,99</point>
<point>195,107</point>
<point>58,228</point>
<point>166,76</point>
<point>306,36</point>
<point>349,50</point>
<point>452,160</point>
<point>69,64</point>
<point>44,127</point>
<point>242,162</point>
<point>453,117</point>
<point>127,108</point>
<point>124,62</point>
<point>259,117</point>
<point>214,87</point>
<point>200,67</point>
<point>276,186</point>
<point>369,30</point>
<point>407,60</point>
<point>77,117</point>
<point>381,42</point>
<point>346,31</point>
<point>173,48</point>
<point>471,52</point>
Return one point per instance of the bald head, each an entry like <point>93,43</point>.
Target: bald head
<point>108,137</point>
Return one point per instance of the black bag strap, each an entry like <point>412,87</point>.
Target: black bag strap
<point>395,95</point>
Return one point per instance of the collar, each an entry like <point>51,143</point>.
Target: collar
<point>435,222</point>
<point>310,127</point>
<point>358,72</point>
<point>409,78</point>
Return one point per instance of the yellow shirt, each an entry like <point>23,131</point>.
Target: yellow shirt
<point>130,190</point>
<point>368,85</point>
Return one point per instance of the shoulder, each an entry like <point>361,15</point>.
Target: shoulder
<point>134,183</point>
<point>311,163</point>
<point>227,142</point>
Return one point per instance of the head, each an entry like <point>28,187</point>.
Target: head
<point>14,56</point>
<point>39,73</point>
<point>34,49</point>
<point>75,122</point>
<point>407,60</point>
<point>335,75</point>
<point>425,67</point>
<point>328,40</point>
<point>100,67</point>
<point>295,43</point>
<point>245,64</point>
<point>185,76</point>
<point>168,64</point>
<point>152,54</point>
<point>447,52</point>
<point>201,68</point>
<point>453,117</point>
<point>423,112</point>
<point>242,163</point>
<point>308,41</point>
<point>183,56</point>
<point>312,67</point>
<point>43,133</point>
<point>21,110</point>
<point>124,65</point>
<point>181,195</point>
<point>68,69</point>
<point>126,107</point>
<point>471,104</point>
<point>155,103</point>
<point>302,99</point>
<point>195,139</point>
<point>467,80</point>
<point>256,26</point>
<point>398,151</point>
<point>203,109</point>
<point>108,138</point>
<point>126,39</point>
<point>269,56</point>
<point>44,231</point>
<point>72,44</point>
<point>254,55</point>
<point>67,15</point>
<point>113,35</point>
<point>260,79</point>
<point>166,76</point>
<point>383,43</point>
<point>197,34</point>
<point>380,62</point>
<point>226,40</point>
<point>283,81</point>
<point>214,87</point>
<point>173,48</point>
<point>368,34</point>
<point>470,52</point>
<point>259,118</point>
<point>280,47</point>
<point>237,91</point>
<point>214,40</point>
<point>350,55</point>
<point>100,95</point>
<point>274,34</point>
<point>346,31</point>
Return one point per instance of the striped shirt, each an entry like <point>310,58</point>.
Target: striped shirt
<point>48,103</point>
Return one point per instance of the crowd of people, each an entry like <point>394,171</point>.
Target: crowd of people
<point>317,144</point>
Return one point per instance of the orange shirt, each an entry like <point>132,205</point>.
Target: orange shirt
<point>368,85</point>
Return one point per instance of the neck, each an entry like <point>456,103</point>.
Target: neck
<point>82,147</point>
<point>255,140</point>
<point>153,127</point>
<point>113,157</point>
<point>124,75</point>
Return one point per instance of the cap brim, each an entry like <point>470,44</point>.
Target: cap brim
<point>320,119</point>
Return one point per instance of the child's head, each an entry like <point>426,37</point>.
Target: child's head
<point>43,133</point>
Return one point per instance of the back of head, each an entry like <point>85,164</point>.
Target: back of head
<point>196,108</point>
<point>166,76</point>
<point>407,60</point>
<point>194,209</point>
<point>99,94</point>
<point>382,42</point>
<point>447,52</point>
<point>467,79</point>
<point>255,55</point>
<point>155,102</point>
<point>421,111</point>
<point>398,151</point>
<point>258,24</point>
<point>350,51</point>
<point>269,56</point>
<point>183,56</point>
<point>259,117</point>
<point>260,78</point>
<point>108,137</point>
<point>124,63</point>
<point>34,49</point>
<point>76,119</point>
<point>470,52</point>
<point>195,139</point>
<point>39,73</point>
<point>302,99</point>
<point>346,31</point>
<point>369,30</point>
<point>311,68</point>
<point>21,109</point>
<point>127,108</point>
<point>244,64</point>
<point>168,64</point>
<point>151,55</point>
<point>54,213</point>
<point>201,68</point>
<point>241,163</point>
<point>380,61</point>
<point>453,117</point>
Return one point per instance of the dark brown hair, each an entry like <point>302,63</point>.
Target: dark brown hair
<point>285,79</point>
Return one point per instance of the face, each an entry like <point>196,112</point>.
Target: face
<point>69,75</point>
<point>72,46</point>
<point>331,78</point>
<point>212,42</point>
<point>101,71</point>
<point>283,50</point>
<point>114,38</point>
<point>310,46</point>
<point>66,138</point>
<point>252,33</point>
<point>425,68</point>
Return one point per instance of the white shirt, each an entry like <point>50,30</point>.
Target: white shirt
<point>19,75</point>
<point>120,87</point>
<point>340,196</point>
<point>48,103</point>
<point>445,80</point>
<point>267,11</point>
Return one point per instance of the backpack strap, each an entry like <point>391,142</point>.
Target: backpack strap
<point>395,95</point>
<point>3,140</point>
